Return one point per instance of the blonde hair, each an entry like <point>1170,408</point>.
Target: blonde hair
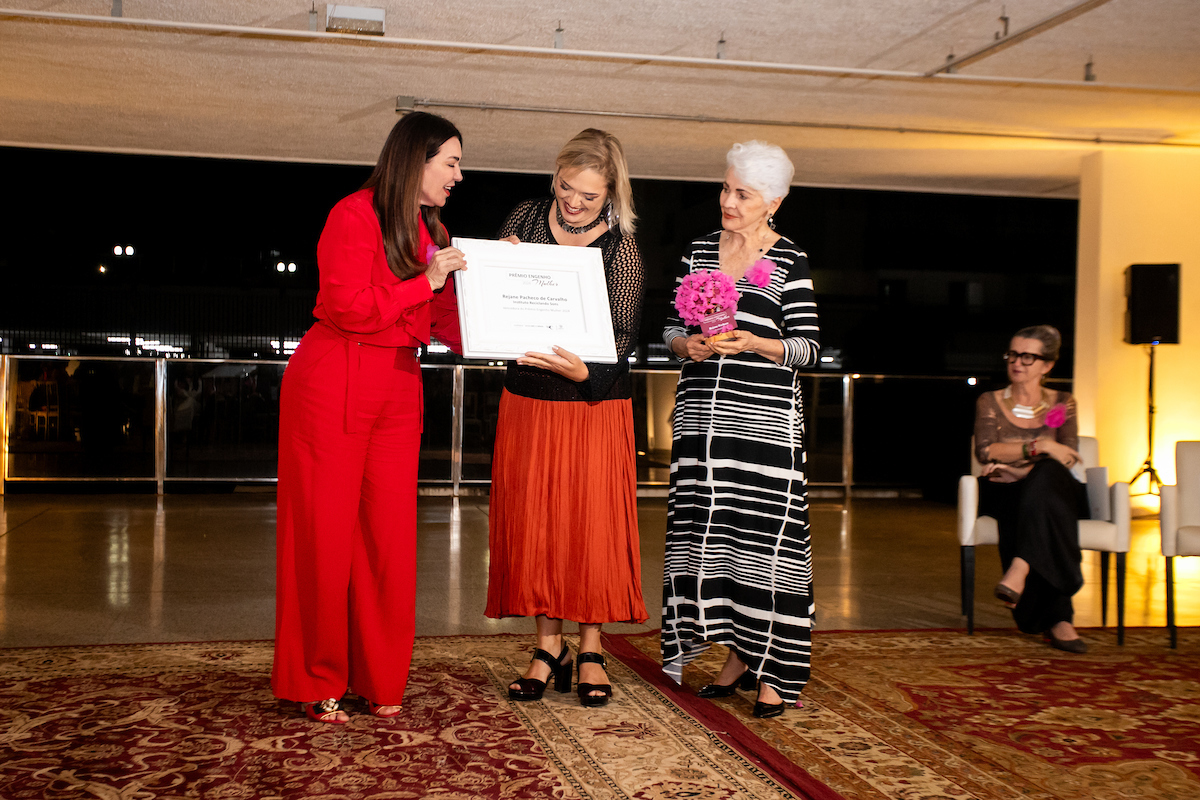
<point>601,151</point>
<point>763,166</point>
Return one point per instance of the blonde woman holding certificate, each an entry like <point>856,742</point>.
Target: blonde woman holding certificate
<point>563,513</point>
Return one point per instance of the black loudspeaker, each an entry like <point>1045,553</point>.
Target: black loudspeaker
<point>1152,304</point>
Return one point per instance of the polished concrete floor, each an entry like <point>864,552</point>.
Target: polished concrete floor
<point>126,568</point>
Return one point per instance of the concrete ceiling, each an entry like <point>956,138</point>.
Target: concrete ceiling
<point>841,83</point>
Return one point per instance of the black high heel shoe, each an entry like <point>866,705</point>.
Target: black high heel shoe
<point>767,710</point>
<point>532,688</point>
<point>746,682</point>
<point>585,690</point>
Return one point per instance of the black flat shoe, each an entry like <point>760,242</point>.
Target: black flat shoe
<point>532,688</point>
<point>1006,594</point>
<point>585,689</point>
<point>1076,646</point>
<point>712,690</point>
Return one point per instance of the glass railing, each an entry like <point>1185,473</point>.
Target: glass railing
<point>171,420</point>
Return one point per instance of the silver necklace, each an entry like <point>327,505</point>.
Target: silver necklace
<point>571,228</point>
<point>1020,410</point>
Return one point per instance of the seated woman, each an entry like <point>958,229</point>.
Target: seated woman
<point>1026,438</point>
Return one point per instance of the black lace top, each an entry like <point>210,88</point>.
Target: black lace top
<point>625,276</point>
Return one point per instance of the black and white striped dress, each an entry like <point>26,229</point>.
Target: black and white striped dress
<point>738,566</point>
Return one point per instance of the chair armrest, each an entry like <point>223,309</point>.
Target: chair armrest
<point>968,508</point>
<point>1098,493</point>
<point>1120,502</point>
<point>1168,520</point>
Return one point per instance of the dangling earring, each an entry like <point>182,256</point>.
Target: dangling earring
<point>771,221</point>
<point>610,215</point>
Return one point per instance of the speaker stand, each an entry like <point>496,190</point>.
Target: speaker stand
<point>1155,483</point>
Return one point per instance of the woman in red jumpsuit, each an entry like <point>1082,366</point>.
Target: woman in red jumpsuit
<point>350,422</point>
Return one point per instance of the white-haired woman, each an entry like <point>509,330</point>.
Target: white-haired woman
<point>738,566</point>
<point>563,512</point>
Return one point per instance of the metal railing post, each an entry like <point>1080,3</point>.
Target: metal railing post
<point>160,422</point>
<point>4,427</point>
<point>456,430</point>
<point>847,434</point>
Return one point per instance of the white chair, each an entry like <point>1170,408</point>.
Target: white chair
<point>1180,518</point>
<point>1107,531</point>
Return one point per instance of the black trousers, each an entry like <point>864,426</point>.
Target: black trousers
<point>1038,518</point>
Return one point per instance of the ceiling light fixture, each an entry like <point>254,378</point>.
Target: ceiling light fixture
<point>354,19</point>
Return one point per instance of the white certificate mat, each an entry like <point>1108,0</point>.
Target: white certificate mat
<point>518,298</point>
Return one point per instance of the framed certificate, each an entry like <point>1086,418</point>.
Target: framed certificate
<point>517,298</point>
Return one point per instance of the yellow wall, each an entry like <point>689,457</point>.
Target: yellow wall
<point>1136,208</point>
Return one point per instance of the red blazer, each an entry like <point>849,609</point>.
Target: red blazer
<point>362,299</point>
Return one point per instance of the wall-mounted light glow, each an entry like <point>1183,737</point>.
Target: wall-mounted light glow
<point>128,249</point>
<point>291,266</point>
<point>280,267</point>
<point>49,347</point>
<point>118,340</point>
<point>971,381</point>
<point>118,250</point>
<point>103,269</point>
<point>33,347</point>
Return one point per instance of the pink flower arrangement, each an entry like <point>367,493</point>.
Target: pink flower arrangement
<point>704,292</point>
<point>1056,416</point>
<point>760,272</point>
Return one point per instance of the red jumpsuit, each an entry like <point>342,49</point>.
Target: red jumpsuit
<point>350,420</point>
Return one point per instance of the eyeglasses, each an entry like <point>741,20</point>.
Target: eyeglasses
<point>1025,358</point>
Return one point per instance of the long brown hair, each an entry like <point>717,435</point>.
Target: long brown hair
<point>414,140</point>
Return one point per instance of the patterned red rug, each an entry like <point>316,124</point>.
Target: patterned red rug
<point>199,721</point>
<point>938,714</point>
<point>920,715</point>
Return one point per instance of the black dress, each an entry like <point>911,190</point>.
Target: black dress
<point>738,563</point>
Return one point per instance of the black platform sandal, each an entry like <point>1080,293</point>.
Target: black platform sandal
<point>532,688</point>
<point>585,689</point>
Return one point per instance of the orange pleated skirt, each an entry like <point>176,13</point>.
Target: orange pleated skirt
<point>563,516</point>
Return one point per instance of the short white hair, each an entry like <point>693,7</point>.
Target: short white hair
<point>763,166</point>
